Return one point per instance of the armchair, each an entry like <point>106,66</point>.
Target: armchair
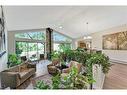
<point>52,69</point>
<point>66,71</point>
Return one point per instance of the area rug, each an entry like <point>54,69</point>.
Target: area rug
<point>46,78</point>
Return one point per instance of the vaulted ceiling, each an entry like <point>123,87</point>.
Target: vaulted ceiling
<point>69,20</point>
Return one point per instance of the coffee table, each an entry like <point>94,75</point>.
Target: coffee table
<point>60,68</point>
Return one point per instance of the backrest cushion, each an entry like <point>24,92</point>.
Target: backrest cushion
<point>55,62</point>
<point>13,69</point>
<point>76,64</point>
<point>22,67</point>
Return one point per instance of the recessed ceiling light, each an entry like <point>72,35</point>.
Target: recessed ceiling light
<point>60,27</point>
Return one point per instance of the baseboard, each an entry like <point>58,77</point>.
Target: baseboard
<point>118,61</point>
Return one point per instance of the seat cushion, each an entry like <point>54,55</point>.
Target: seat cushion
<point>31,71</point>
<point>76,64</point>
<point>52,67</point>
<point>27,72</point>
<point>13,69</point>
<point>55,62</point>
<point>23,67</point>
<point>24,75</point>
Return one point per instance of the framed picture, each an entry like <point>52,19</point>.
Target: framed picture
<point>116,41</point>
<point>122,40</point>
<point>110,42</point>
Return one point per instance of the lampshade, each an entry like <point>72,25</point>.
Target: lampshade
<point>85,37</point>
<point>89,37</point>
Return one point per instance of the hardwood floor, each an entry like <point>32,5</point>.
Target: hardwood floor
<point>117,77</point>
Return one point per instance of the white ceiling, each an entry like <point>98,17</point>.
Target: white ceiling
<point>72,18</point>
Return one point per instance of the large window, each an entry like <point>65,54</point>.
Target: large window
<point>41,48</point>
<point>29,49</point>
<point>21,48</point>
<point>61,46</point>
<point>31,35</point>
<point>32,50</point>
<point>59,37</point>
<point>22,35</point>
<point>30,44</point>
<point>61,41</point>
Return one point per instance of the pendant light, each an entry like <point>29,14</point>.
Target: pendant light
<point>87,37</point>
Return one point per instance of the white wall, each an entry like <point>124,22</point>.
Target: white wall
<point>116,55</point>
<point>11,42</point>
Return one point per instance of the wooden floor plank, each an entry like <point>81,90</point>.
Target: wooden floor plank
<point>117,77</point>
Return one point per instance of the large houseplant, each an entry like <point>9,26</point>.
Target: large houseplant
<point>96,58</point>
<point>100,59</point>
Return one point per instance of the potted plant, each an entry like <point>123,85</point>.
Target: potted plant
<point>13,60</point>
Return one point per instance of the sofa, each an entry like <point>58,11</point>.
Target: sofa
<point>15,76</point>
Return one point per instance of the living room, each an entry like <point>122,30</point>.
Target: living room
<point>63,47</point>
